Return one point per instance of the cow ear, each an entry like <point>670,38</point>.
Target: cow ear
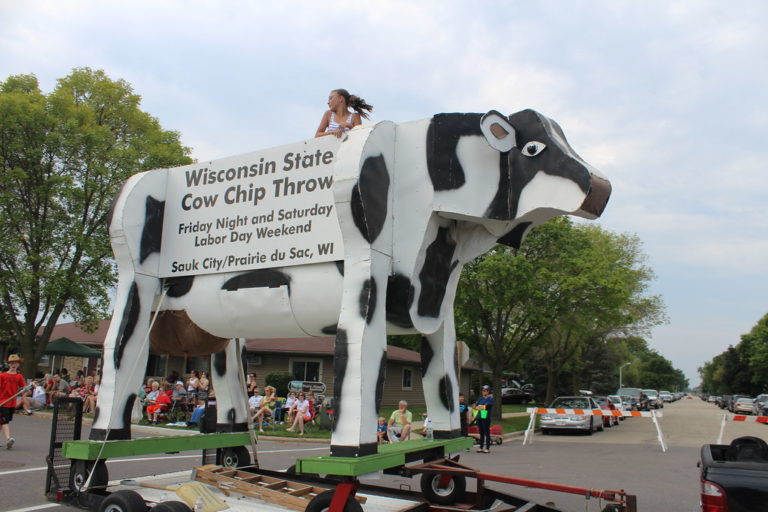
<point>497,131</point>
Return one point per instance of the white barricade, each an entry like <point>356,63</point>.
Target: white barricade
<point>738,417</point>
<point>528,438</point>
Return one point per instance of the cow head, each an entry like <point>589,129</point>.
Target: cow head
<point>528,175</point>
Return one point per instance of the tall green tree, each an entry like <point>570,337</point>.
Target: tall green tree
<point>604,284</point>
<point>63,158</point>
<point>566,286</point>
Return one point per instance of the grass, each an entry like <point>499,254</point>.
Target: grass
<point>418,412</point>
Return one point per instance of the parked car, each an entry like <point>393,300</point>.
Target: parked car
<point>723,401</point>
<point>761,403</point>
<point>666,397</point>
<point>734,399</point>
<point>517,395</point>
<point>620,402</point>
<point>637,402</point>
<point>586,423</point>
<point>653,398</point>
<point>607,405</point>
<point>743,406</point>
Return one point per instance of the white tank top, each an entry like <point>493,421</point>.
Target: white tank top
<point>333,125</point>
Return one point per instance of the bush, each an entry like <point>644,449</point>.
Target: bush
<point>279,380</point>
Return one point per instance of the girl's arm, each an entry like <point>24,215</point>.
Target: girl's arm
<point>323,124</point>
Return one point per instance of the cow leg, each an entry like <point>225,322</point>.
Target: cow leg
<point>360,359</point>
<point>438,378</point>
<point>363,198</point>
<point>126,349</point>
<point>231,400</point>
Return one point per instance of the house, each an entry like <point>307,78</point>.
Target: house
<point>309,359</point>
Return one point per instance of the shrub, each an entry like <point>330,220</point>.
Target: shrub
<point>279,380</point>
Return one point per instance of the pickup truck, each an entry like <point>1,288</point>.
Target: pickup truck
<point>734,477</point>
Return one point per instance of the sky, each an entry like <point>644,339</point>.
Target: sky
<point>667,98</point>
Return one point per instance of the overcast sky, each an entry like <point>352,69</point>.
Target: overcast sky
<point>667,99</point>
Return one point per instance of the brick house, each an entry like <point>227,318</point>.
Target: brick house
<point>306,358</point>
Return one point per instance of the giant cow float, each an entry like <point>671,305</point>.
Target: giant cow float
<point>375,228</point>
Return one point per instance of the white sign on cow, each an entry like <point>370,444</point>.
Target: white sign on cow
<point>258,210</point>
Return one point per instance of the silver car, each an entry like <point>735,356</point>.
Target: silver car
<point>584,422</point>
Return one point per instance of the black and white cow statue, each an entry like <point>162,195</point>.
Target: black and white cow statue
<point>414,202</point>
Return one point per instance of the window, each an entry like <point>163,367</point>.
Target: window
<point>157,365</point>
<point>407,382</point>
<point>306,369</point>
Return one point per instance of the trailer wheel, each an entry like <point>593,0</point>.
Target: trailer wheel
<point>448,495</point>
<point>322,503</point>
<point>235,457</point>
<point>123,501</point>
<point>171,506</point>
<point>81,469</point>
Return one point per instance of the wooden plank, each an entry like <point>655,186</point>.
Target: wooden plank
<point>300,492</point>
<point>273,490</point>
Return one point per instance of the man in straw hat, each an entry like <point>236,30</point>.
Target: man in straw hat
<point>11,382</point>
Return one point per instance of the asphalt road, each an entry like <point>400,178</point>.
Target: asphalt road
<point>626,457</point>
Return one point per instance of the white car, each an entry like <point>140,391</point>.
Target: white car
<point>621,404</point>
<point>585,422</point>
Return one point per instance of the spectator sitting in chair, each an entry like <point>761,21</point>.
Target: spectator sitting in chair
<point>399,425</point>
<point>60,388</point>
<point>179,393</point>
<point>254,402</point>
<point>158,404</point>
<point>267,405</point>
<point>288,408</point>
<point>35,401</point>
<point>303,414</point>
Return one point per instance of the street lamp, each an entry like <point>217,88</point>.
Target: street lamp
<point>620,368</point>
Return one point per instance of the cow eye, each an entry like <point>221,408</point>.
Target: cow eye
<point>533,148</point>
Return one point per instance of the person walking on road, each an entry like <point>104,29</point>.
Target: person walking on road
<point>11,382</point>
<point>484,406</point>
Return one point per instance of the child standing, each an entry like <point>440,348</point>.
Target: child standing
<point>10,384</point>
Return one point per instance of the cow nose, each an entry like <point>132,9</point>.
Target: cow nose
<point>597,198</point>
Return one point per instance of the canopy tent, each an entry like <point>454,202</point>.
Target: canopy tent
<point>67,347</point>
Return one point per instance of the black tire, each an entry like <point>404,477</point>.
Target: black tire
<point>499,440</point>
<point>443,496</point>
<point>322,503</point>
<point>123,501</point>
<point>544,432</point>
<point>172,506</point>
<point>591,427</point>
<point>80,470</point>
<point>235,457</point>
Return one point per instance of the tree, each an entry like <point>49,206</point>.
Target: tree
<point>63,157</point>
<point>504,303</point>
<point>603,284</point>
<point>566,287</point>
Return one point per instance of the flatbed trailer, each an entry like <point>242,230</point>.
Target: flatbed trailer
<point>324,483</point>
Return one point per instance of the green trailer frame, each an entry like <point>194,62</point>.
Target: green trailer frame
<point>98,450</point>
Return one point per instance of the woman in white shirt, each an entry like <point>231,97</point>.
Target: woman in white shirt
<point>302,414</point>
